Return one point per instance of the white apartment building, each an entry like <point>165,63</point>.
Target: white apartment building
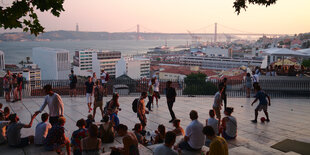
<point>218,63</point>
<point>87,61</point>
<point>2,61</point>
<point>135,68</point>
<point>54,63</point>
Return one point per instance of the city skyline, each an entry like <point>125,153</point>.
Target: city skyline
<point>178,16</point>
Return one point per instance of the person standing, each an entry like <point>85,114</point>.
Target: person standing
<point>54,103</point>
<point>89,92</point>
<point>263,104</point>
<point>94,78</point>
<point>98,95</point>
<point>170,95</point>
<point>223,94</point>
<point>217,105</point>
<point>73,82</point>
<point>248,84</point>
<point>20,86</point>
<point>150,95</point>
<point>6,87</point>
<point>104,81</point>
<point>141,110</point>
<point>156,90</point>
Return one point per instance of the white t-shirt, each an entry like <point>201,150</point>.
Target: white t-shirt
<point>194,132</point>
<point>55,105</point>
<point>231,126</point>
<point>164,150</point>
<point>214,124</point>
<point>41,132</point>
<point>217,100</point>
<point>103,76</point>
<point>255,78</point>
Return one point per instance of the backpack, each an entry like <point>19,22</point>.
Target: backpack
<point>135,105</point>
<point>107,77</point>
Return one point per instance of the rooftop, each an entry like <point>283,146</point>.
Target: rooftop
<point>289,120</point>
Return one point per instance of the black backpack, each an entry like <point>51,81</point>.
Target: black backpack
<point>135,105</point>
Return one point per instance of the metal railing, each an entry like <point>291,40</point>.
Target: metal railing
<point>276,87</point>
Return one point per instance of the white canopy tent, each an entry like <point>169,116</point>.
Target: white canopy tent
<point>305,51</point>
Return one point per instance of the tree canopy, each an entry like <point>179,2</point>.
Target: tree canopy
<point>21,13</point>
<point>195,84</point>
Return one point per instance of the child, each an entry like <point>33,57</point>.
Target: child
<point>263,104</point>
<point>89,120</point>
<point>77,136</point>
<point>106,130</point>
<point>212,122</point>
<point>179,131</point>
<point>160,134</point>
<point>229,125</point>
<point>42,130</point>
<point>56,138</point>
<point>13,132</point>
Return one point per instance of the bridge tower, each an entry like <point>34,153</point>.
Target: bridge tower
<point>215,33</point>
<point>77,27</point>
<point>138,32</point>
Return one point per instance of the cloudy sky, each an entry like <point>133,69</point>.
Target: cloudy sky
<point>285,17</point>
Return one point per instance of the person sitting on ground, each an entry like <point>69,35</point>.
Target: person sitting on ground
<point>42,130</point>
<point>13,132</point>
<point>137,132</point>
<point>179,131</point>
<point>91,145</point>
<point>194,138</point>
<point>77,136</point>
<point>129,140</point>
<point>6,113</point>
<point>213,122</point>
<point>218,144</point>
<point>263,104</point>
<point>89,120</point>
<point>56,138</point>
<point>229,125</point>
<point>165,149</point>
<point>160,134</point>
<point>3,126</point>
<point>106,130</point>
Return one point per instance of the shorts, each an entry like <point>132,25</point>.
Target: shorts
<point>88,97</point>
<point>142,119</point>
<point>225,136</point>
<point>98,104</point>
<point>23,142</point>
<point>72,85</point>
<point>217,112</point>
<point>261,107</point>
<point>156,94</point>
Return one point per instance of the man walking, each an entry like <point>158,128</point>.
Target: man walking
<point>89,92</point>
<point>54,103</point>
<point>104,81</point>
<point>170,95</point>
<point>73,81</point>
<point>223,94</point>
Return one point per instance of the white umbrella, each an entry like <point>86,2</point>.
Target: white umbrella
<point>305,51</point>
<point>283,52</point>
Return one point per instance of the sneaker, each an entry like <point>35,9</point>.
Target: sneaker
<point>254,121</point>
<point>268,120</point>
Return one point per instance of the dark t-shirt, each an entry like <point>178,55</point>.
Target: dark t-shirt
<point>89,87</point>
<point>55,135</point>
<point>19,80</point>
<point>170,93</point>
<point>261,96</point>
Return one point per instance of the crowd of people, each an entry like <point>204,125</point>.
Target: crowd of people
<point>12,85</point>
<point>90,135</point>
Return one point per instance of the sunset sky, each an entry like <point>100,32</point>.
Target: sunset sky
<point>178,16</point>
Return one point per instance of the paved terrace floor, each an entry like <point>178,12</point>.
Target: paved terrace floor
<point>290,118</point>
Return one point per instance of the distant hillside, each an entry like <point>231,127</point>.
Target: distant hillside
<point>73,35</point>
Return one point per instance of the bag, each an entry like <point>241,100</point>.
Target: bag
<point>107,77</point>
<point>135,105</point>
